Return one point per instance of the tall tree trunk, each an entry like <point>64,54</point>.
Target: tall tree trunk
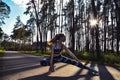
<point>105,35</point>
<point>97,29</point>
<point>37,24</point>
<point>117,3</point>
<point>112,48</point>
<point>73,27</point>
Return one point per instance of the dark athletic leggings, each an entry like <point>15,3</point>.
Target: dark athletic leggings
<point>66,60</point>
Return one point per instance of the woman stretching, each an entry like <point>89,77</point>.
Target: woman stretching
<point>56,47</point>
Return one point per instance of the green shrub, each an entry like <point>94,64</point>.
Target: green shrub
<point>111,59</point>
<point>1,48</point>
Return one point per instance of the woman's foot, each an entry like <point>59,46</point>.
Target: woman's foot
<point>94,72</point>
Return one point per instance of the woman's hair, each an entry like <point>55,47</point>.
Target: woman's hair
<point>57,37</point>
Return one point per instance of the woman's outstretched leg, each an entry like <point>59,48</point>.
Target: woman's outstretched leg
<point>45,62</point>
<point>78,64</point>
<point>70,61</point>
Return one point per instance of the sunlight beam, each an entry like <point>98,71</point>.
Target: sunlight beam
<point>93,22</point>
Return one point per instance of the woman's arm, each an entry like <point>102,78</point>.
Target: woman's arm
<point>51,68</point>
<point>70,53</point>
<point>51,58</point>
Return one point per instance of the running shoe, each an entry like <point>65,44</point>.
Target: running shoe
<point>94,72</point>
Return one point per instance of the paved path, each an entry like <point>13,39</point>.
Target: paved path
<point>18,66</point>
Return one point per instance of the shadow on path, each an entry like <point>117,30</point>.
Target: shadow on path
<point>104,73</point>
<point>10,72</point>
<point>12,62</point>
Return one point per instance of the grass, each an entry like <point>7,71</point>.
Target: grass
<point>1,51</point>
<point>37,53</point>
<point>112,59</point>
<point>107,59</point>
